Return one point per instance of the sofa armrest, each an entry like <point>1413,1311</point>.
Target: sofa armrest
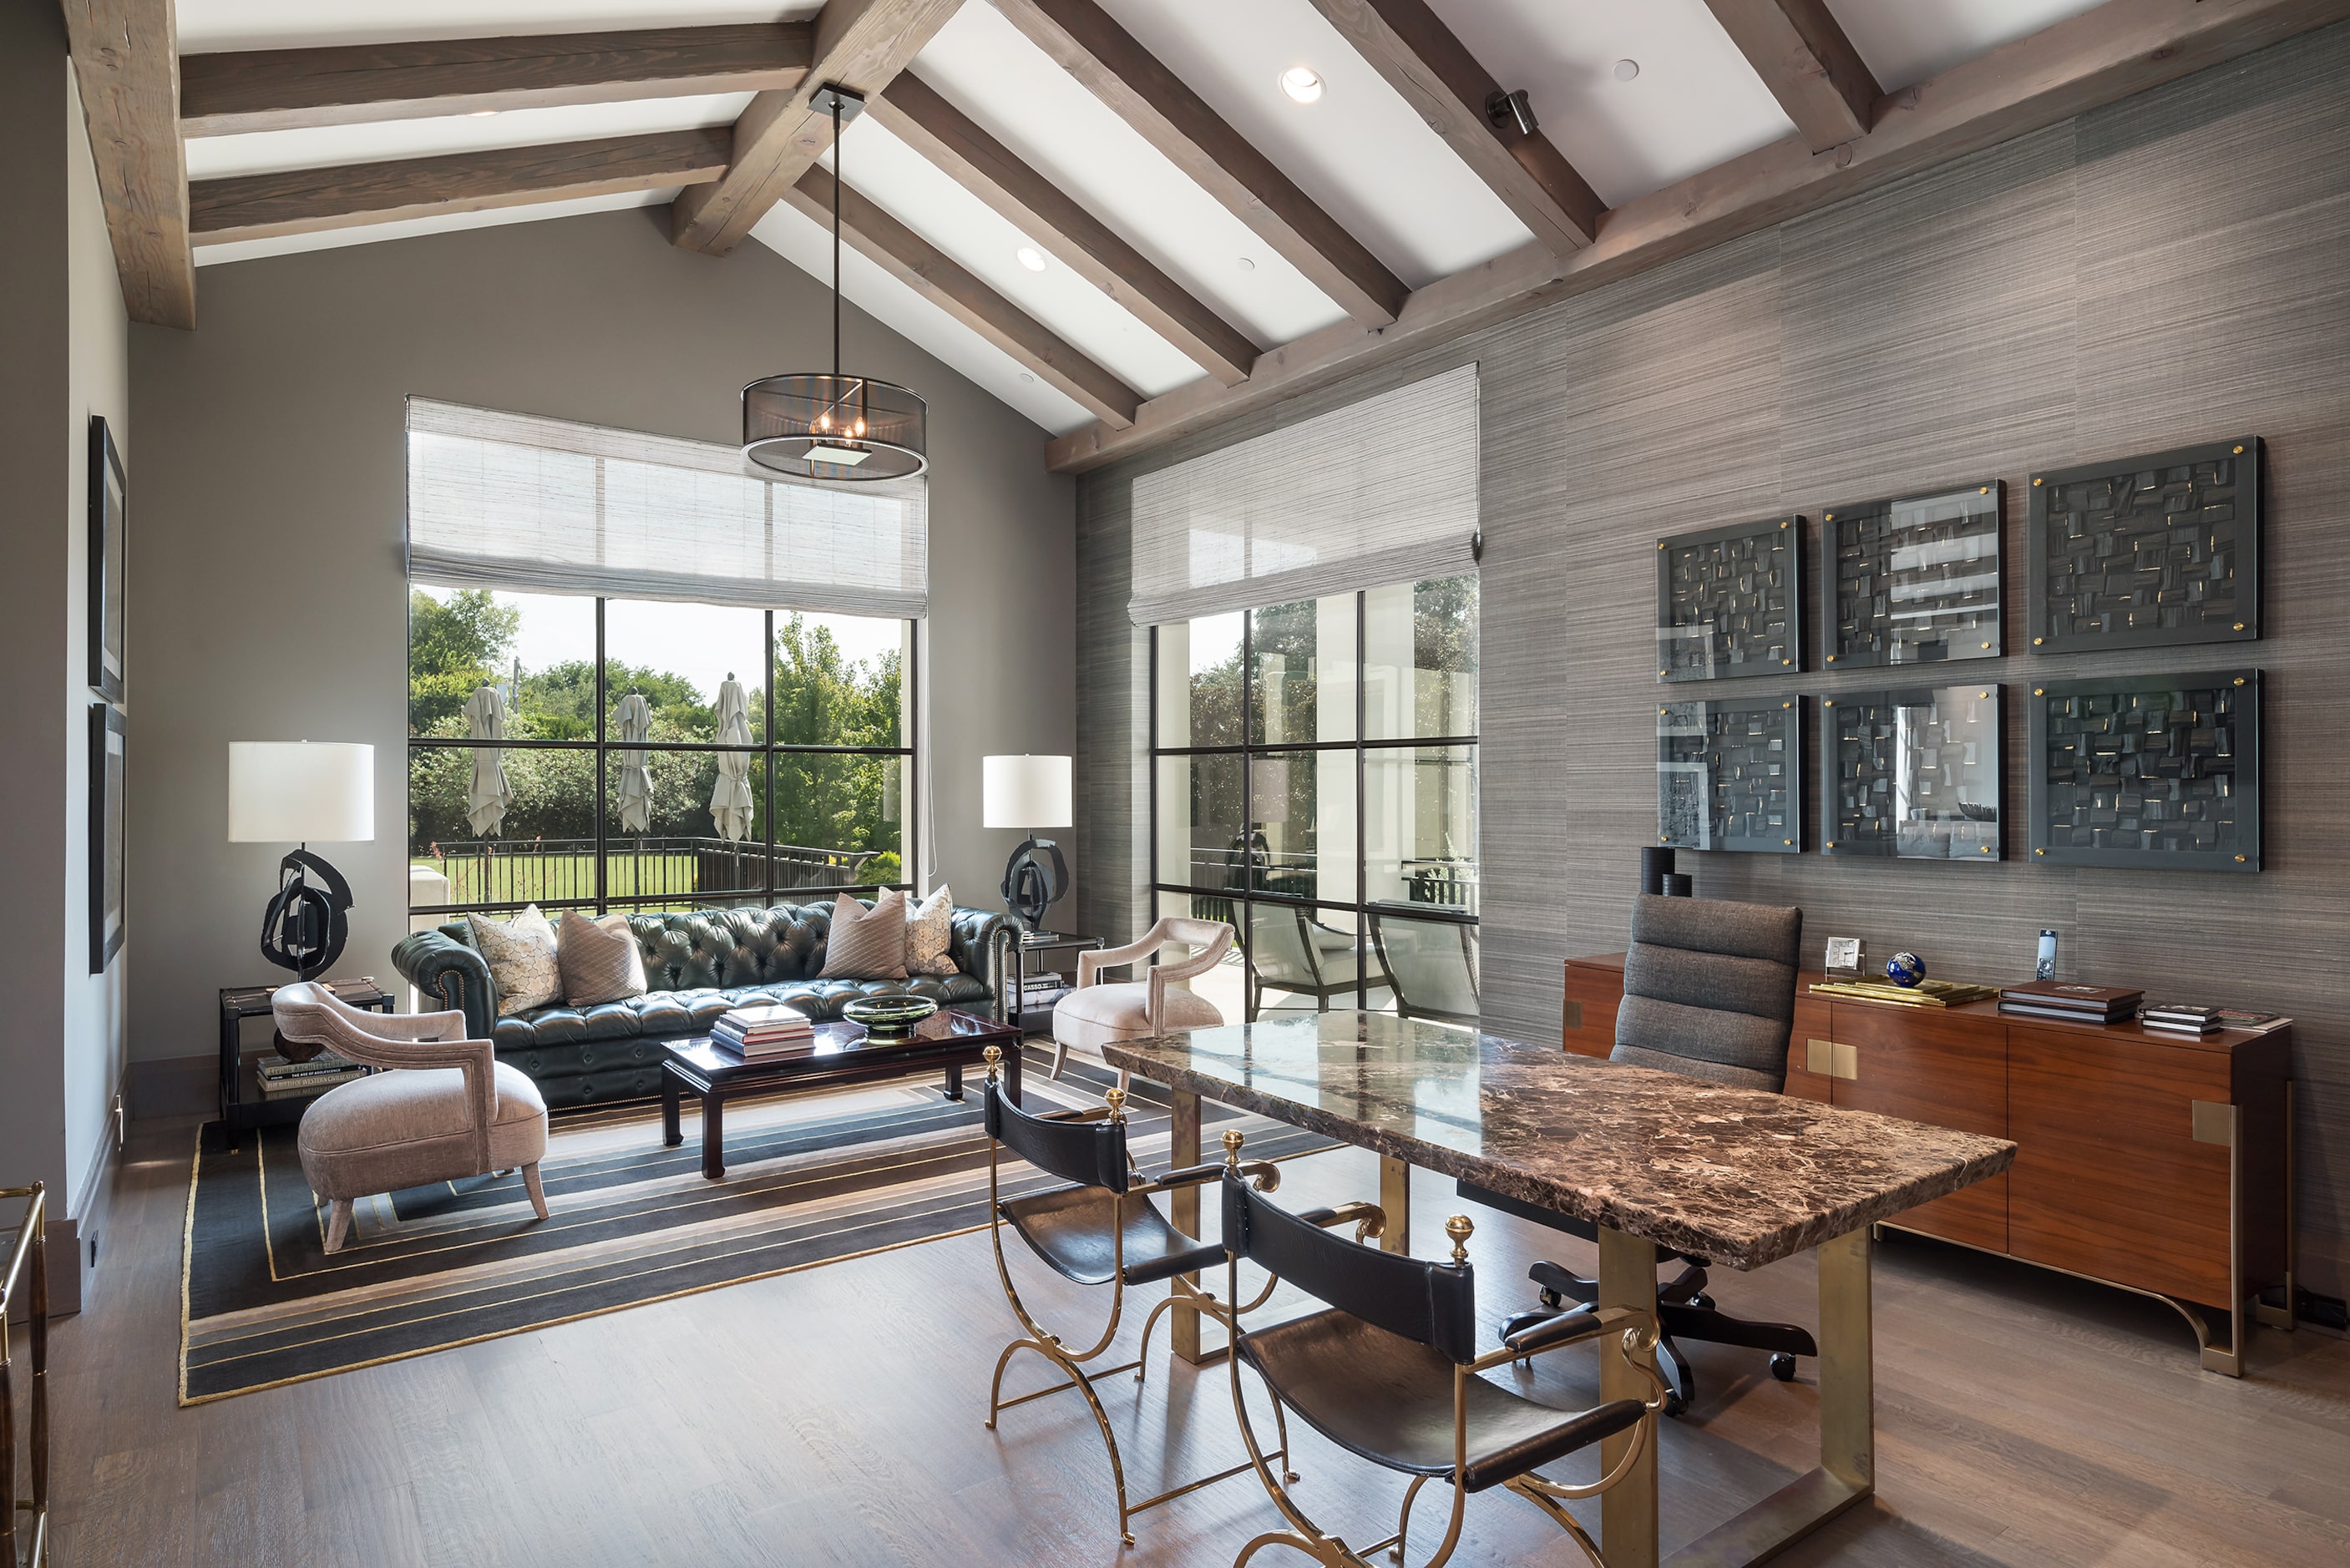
<point>973,946</point>
<point>450,973</point>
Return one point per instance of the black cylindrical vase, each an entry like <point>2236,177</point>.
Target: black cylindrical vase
<point>1656,864</point>
<point>1679,885</point>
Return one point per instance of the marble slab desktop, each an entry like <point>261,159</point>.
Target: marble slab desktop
<point>1738,1176</point>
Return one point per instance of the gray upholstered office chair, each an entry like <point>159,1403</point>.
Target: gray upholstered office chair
<point>1709,992</point>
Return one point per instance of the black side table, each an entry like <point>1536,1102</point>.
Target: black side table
<point>1018,956</point>
<point>238,1003</point>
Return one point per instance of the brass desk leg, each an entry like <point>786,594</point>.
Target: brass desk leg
<point>1183,1206</point>
<point>1628,1510</point>
<point>1847,1468</point>
<point>1395,1198</point>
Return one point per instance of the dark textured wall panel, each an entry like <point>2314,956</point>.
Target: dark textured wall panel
<point>2163,272</point>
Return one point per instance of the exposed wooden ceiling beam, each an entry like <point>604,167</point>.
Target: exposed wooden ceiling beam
<point>1084,41</point>
<point>289,89</point>
<point>307,200</point>
<point>943,134</point>
<point>2123,47</point>
<point>126,56</point>
<point>859,44</point>
<point>927,270</point>
<point>1422,59</point>
<point>1801,53</point>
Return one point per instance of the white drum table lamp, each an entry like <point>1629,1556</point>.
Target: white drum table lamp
<point>1029,793</point>
<point>301,793</point>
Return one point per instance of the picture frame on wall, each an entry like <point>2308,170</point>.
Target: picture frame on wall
<point>1913,774</point>
<point>108,733</point>
<point>1912,579</point>
<point>1729,774</point>
<point>2148,770</point>
<point>1729,601</point>
<point>108,500</point>
<point>2161,550</point>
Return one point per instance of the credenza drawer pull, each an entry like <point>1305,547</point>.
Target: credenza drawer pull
<point>2212,1122</point>
<point>1831,1059</point>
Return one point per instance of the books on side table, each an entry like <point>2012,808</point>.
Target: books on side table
<point>772,1030</point>
<point>284,1080</point>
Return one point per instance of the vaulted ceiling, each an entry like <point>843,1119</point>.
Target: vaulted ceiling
<point>1111,214</point>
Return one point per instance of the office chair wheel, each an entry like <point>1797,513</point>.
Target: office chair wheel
<point>1783,1368</point>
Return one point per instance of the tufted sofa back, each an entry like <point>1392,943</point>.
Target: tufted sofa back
<point>699,950</point>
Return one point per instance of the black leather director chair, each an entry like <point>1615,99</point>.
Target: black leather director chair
<point>1390,1372</point>
<point>1102,1229</point>
<point>1709,992</point>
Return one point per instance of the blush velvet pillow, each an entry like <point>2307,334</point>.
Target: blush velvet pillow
<point>929,931</point>
<point>598,959</point>
<point>521,956</point>
<point>866,944</point>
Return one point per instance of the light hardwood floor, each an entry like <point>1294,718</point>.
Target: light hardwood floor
<point>834,1416</point>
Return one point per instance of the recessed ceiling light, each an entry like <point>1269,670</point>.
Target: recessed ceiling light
<point>1247,265</point>
<point>1301,83</point>
<point>1626,69</point>
<point>481,114</point>
<point>1032,258</point>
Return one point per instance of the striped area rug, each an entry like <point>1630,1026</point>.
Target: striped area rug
<point>811,1179</point>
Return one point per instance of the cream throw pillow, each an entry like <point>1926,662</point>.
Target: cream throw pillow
<point>521,956</point>
<point>600,958</point>
<point>929,931</point>
<point>866,944</point>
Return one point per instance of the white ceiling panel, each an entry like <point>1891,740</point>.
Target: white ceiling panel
<point>1905,41</point>
<point>213,24</point>
<point>319,147</point>
<point>369,234</point>
<point>929,202</point>
<point>1695,103</point>
<point>866,286</point>
<point>1359,151</point>
<point>993,74</point>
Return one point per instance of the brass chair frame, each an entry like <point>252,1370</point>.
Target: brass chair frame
<point>27,1264</point>
<point>1636,1334</point>
<point>1262,1174</point>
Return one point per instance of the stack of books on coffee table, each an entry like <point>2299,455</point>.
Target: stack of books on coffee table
<point>2071,1002</point>
<point>284,1080</point>
<point>774,1030</point>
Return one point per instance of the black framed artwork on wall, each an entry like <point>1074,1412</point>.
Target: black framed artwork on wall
<point>109,494</point>
<point>108,733</point>
<point>1912,579</point>
<point>2156,551</point>
<point>1729,601</point>
<point>1729,774</point>
<point>1912,774</point>
<point>2155,771</point>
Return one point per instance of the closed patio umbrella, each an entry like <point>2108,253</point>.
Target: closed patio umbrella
<point>730,802</point>
<point>489,795</point>
<point>632,786</point>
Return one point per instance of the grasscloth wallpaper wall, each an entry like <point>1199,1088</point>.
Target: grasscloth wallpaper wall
<point>2163,272</point>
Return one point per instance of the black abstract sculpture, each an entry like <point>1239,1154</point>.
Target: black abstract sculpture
<point>306,926</point>
<point>1032,878</point>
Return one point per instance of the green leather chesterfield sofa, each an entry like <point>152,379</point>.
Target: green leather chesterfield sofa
<point>696,965</point>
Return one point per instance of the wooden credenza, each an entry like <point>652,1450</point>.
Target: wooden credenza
<point>2143,1159</point>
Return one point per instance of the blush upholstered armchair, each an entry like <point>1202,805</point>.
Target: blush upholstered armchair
<point>1095,1013</point>
<point>439,1109</point>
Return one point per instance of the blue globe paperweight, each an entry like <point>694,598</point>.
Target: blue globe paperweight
<point>1904,969</point>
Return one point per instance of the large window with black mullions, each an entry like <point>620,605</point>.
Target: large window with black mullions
<point>642,678</point>
<point>1313,781</point>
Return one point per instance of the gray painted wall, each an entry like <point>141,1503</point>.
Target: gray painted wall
<point>2164,271</point>
<point>62,359</point>
<point>268,578</point>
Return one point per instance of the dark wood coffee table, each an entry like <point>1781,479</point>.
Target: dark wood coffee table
<point>947,1041</point>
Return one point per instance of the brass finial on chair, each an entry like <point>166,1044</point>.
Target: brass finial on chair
<point>1232,1148</point>
<point>993,1057</point>
<point>1117,1098</point>
<point>1459,1228</point>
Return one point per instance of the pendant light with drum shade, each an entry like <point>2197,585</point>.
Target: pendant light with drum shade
<point>814,425</point>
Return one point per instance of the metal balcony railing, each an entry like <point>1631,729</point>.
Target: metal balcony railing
<point>517,871</point>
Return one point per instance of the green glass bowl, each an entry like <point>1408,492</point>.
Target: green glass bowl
<point>888,1017</point>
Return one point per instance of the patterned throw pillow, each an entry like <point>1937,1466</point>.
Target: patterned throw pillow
<point>521,956</point>
<point>929,930</point>
<point>598,959</point>
<point>866,944</point>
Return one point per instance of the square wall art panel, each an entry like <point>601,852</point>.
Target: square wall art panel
<point>1729,774</point>
<point>1728,601</point>
<point>1913,579</point>
<point>1912,774</point>
<point>2148,552</point>
<point>2148,770</point>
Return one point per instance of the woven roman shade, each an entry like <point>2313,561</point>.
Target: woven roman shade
<point>533,504</point>
<point>1382,491</point>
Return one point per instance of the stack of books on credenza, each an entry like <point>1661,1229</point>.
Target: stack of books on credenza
<point>284,1080</point>
<point>774,1030</point>
<point>2071,1002</point>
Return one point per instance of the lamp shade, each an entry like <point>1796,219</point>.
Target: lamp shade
<point>1025,792</point>
<point>300,792</point>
